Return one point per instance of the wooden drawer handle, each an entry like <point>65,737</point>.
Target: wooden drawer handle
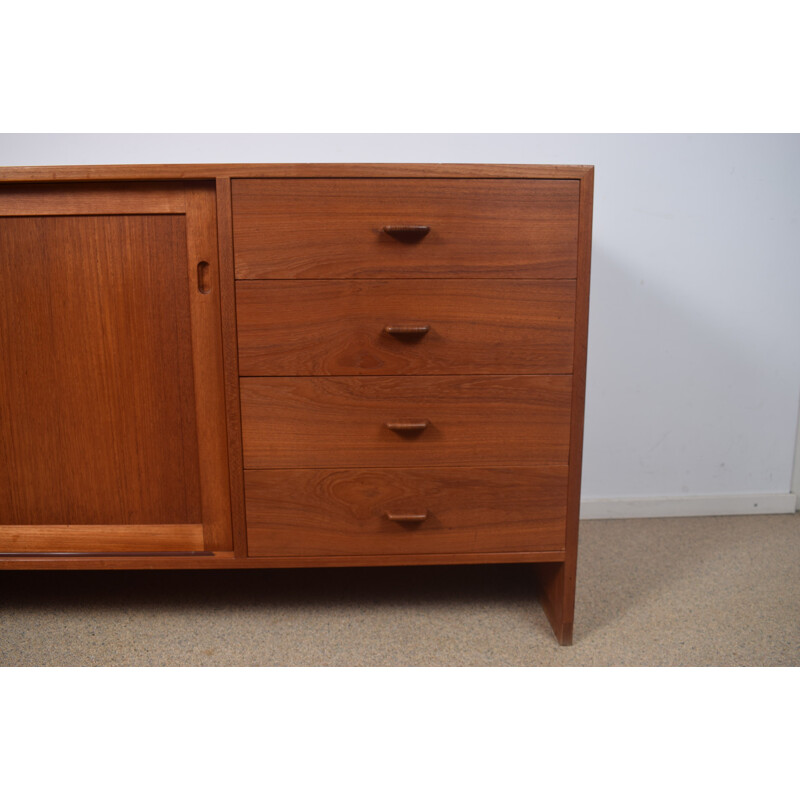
<point>407,517</point>
<point>407,233</point>
<point>407,331</point>
<point>408,426</point>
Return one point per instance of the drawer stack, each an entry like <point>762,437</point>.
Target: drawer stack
<point>406,351</point>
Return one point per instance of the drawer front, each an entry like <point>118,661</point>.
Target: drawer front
<point>304,512</point>
<point>405,421</point>
<point>334,228</point>
<point>340,327</point>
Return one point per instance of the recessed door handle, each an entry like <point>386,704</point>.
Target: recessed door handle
<point>396,516</point>
<point>203,277</point>
<point>407,233</point>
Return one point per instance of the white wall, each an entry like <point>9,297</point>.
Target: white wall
<point>694,351</point>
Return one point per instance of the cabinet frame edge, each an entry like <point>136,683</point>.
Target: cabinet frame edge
<point>183,172</point>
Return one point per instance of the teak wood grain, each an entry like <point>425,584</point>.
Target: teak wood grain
<point>557,581</point>
<point>112,538</point>
<point>206,560</point>
<point>334,228</point>
<point>338,422</point>
<point>121,443</point>
<point>339,512</point>
<point>17,200</point>
<point>338,327</point>
<point>112,410</point>
<point>185,172</point>
<point>209,397</point>
<point>230,359</point>
<point>97,419</point>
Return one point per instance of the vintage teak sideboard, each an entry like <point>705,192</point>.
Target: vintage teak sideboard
<point>231,366</point>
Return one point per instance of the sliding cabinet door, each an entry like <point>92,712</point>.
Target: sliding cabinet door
<point>112,418</point>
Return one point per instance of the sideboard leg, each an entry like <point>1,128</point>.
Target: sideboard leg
<point>556,585</point>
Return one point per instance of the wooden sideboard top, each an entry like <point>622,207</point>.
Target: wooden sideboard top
<point>141,172</point>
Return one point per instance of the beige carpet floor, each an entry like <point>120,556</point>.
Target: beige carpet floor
<point>715,591</point>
